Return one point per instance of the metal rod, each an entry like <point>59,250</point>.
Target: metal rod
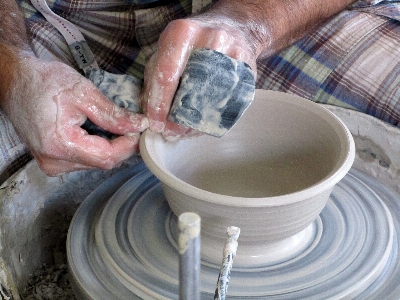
<point>229,254</point>
<point>189,258</point>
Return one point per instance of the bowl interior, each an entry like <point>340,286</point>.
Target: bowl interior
<point>282,144</point>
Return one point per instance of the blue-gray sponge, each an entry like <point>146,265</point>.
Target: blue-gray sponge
<point>213,93</point>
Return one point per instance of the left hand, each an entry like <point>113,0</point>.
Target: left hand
<point>47,105</point>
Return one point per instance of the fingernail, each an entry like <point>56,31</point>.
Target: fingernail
<point>144,124</point>
<point>171,136</point>
<point>140,123</point>
<point>157,126</point>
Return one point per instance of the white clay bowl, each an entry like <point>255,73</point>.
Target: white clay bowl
<point>271,175</point>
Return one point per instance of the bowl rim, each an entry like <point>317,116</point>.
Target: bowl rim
<point>149,138</point>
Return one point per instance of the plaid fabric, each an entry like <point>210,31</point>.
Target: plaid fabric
<point>122,35</point>
<point>13,153</point>
<point>352,61</point>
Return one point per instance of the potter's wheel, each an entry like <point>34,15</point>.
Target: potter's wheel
<point>122,245</point>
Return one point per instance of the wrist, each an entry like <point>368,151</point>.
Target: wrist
<point>11,69</point>
<point>271,25</point>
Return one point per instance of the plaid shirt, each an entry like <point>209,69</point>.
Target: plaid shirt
<point>352,61</point>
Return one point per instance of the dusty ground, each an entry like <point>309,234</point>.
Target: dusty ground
<point>51,282</point>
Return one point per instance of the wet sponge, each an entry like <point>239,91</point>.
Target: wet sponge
<point>213,93</point>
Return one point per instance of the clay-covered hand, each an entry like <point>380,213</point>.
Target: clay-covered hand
<point>242,29</point>
<point>49,101</point>
<point>211,31</point>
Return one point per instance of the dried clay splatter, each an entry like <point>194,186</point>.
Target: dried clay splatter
<point>49,283</point>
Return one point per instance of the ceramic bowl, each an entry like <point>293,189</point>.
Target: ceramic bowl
<point>271,175</point>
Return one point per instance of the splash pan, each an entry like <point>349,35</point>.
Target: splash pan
<point>122,245</point>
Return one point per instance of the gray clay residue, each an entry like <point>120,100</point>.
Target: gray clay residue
<point>35,213</point>
<point>368,151</point>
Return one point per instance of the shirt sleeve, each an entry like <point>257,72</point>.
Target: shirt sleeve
<point>384,8</point>
<point>366,3</point>
<point>199,6</point>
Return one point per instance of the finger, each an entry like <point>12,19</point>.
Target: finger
<point>148,71</point>
<point>94,151</point>
<point>101,153</point>
<point>163,75</point>
<point>230,43</point>
<point>229,40</point>
<point>226,39</point>
<point>215,38</point>
<point>245,56</point>
<point>173,131</point>
<point>109,116</point>
<point>56,167</point>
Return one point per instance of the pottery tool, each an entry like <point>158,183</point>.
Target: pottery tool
<point>229,254</point>
<point>189,256</point>
<point>213,93</point>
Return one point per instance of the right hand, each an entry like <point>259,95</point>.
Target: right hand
<point>48,102</point>
<point>163,71</point>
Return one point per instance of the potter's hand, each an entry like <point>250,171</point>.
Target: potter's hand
<point>47,103</point>
<point>165,68</point>
<point>242,29</point>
